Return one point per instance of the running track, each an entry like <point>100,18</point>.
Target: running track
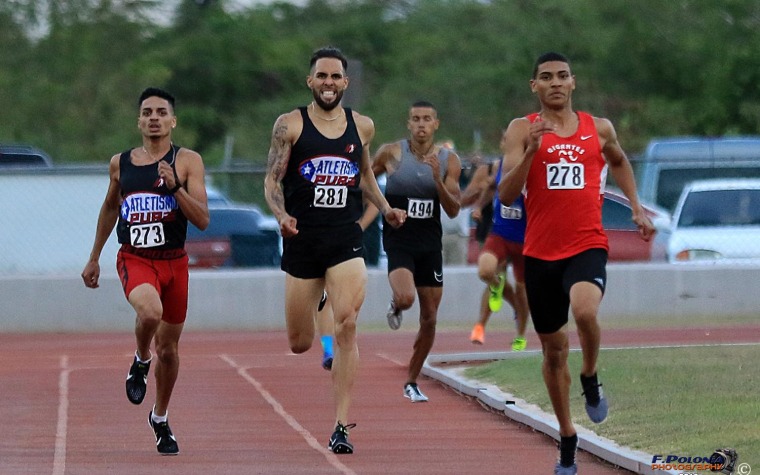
<point>244,405</point>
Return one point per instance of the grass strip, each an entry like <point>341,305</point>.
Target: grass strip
<point>686,401</point>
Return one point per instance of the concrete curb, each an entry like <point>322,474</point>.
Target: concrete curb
<point>529,414</point>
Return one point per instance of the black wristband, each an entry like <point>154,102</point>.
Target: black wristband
<point>175,189</point>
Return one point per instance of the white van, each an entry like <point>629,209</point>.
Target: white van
<point>669,164</point>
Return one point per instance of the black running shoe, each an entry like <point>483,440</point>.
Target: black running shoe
<point>596,403</point>
<point>137,381</point>
<point>327,361</point>
<point>339,443</point>
<point>166,444</point>
<point>323,301</point>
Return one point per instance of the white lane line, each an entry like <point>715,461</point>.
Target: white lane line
<point>390,358</point>
<point>59,459</point>
<point>292,422</point>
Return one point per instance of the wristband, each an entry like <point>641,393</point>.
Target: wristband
<point>175,189</point>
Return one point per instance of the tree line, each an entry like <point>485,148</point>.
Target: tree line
<point>71,70</point>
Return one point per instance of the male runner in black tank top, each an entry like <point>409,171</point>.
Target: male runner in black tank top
<point>318,168</point>
<point>422,178</point>
<point>153,191</point>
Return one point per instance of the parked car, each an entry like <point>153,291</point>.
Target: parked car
<point>716,220</point>
<point>668,164</point>
<point>625,243</point>
<point>23,156</point>
<point>237,236</point>
<point>623,235</point>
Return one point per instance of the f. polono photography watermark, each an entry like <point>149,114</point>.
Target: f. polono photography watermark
<point>721,461</point>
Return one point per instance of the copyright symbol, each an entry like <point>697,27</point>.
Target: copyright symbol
<point>743,469</point>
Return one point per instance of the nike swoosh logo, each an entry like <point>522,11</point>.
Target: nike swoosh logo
<point>356,248</point>
<point>586,137</point>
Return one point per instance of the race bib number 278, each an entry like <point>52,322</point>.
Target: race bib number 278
<point>565,176</point>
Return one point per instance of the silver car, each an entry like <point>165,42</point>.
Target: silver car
<point>717,221</point>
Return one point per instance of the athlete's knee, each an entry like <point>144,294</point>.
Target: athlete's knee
<point>167,351</point>
<point>299,345</point>
<point>404,299</point>
<point>585,318</point>
<point>486,274</point>
<point>555,352</point>
<point>149,317</point>
<point>345,331</point>
<point>428,323</point>
<point>300,340</point>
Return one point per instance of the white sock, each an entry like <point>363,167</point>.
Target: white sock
<point>158,419</point>
<point>141,361</point>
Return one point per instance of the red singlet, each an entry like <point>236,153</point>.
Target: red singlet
<point>564,194</point>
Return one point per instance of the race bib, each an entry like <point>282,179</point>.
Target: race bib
<point>330,196</point>
<point>507,212</point>
<point>147,235</point>
<point>420,209</point>
<point>565,176</point>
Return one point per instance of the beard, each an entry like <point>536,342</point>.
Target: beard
<point>327,106</point>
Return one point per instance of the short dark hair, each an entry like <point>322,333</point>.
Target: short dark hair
<point>549,56</point>
<point>328,52</point>
<point>154,91</point>
<point>424,104</point>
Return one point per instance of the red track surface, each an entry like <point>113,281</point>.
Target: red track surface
<point>244,405</point>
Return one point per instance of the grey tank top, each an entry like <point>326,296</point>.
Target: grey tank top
<point>411,187</point>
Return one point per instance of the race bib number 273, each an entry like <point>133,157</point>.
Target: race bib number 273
<point>147,235</point>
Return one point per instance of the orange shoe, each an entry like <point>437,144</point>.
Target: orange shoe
<point>478,334</point>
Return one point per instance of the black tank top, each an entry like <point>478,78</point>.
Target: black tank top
<point>150,220</point>
<point>321,184</point>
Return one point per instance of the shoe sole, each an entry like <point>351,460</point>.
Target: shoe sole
<point>476,342</point>
<point>327,364</point>
<point>394,322</point>
<point>599,413</point>
<point>136,400</point>
<point>415,399</point>
<point>342,448</point>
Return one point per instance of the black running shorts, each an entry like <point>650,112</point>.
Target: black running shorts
<point>548,284</point>
<point>426,266</point>
<point>312,251</point>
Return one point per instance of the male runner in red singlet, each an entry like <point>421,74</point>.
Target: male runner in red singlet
<point>317,171</point>
<point>154,191</point>
<point>561,157</point>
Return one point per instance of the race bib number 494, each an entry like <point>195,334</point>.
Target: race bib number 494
<point>565,176</point>
<point>420,209</point>
<point>330,196</point>
<point>147,235</point>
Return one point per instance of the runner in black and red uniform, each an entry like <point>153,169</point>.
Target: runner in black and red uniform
<point>560,158</point>
<point>153,191</point>
<point>318,170</point>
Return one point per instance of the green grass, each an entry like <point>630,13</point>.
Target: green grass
<point>685,401</point>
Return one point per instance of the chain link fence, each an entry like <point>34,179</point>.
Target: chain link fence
<point>49,218</point>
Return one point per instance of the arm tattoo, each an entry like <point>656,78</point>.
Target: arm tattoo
<point>279,152</point>
<point>277,163</point>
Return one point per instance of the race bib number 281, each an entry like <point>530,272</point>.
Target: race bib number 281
<point>330,196</point>
<point>565,176</point>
